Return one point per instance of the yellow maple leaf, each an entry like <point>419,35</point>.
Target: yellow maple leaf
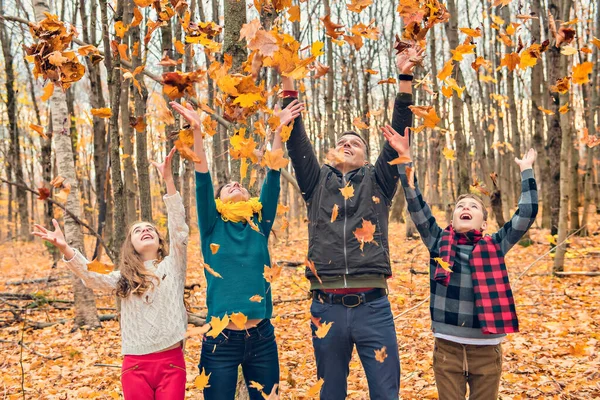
<point>214,247</point>
<point>322,327</point>
<point>347,191</point>
<point>256,298</point>
<point>286,131</point>
<point>257,386</point>
<point>217,325</point>
<point>461,50</point>
<point>249,99</point>
<point>186,152</point>
<point>121,29</point>
<point>581,72</point>
<point>201,380</point>
<point>272,273</point>
<point>334,212</point>
<point>294,13</point>
<point>445,265</point>
<point>274,159</point>
<point>102,112</point>
<point>228,83</point>
<point>100,267</point>
<point>239,320</point>
<point>381,354</point>
<point>316,388</point>
<point>448,154</point>
<point>317,49</point>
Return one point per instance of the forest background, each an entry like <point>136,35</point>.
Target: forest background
<point>85,87</point>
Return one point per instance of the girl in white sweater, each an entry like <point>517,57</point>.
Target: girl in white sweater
<point>150,282</point>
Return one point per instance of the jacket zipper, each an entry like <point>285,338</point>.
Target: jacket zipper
<point>130,369</point>
<point>345,220</point>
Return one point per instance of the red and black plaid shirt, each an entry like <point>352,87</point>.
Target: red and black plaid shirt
<point>494,302</point>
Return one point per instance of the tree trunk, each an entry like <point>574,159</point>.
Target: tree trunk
<point>15,146</point>
<point>85,306</point>
<point>329,140</point>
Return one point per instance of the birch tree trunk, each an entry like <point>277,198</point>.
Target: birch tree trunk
<point>85,305</point>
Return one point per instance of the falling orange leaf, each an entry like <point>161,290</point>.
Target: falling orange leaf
<point>186,152</point>
<point>376,200</point>
<point>332,29</point>
<point>316,388</point>
<point>334,212</point>
<point>272,273</point>
<point>562,85</point>
<point>48,91</point>
<point>218,324</point>
<point>381,354</point>
<point>358,5</point>
<point>430,118</point>
<point>410,175</point>
<point>211,271</point>
<point>100,267</point>
<point>400,160</point>
<point>581,72</point>
<point>214,247</point>
<point>311,266</point>
<point>294,13</point>
<point>121,29</point>
<point>239,320</point>
<point>365,233</point>
<point>545,110</point>
<point>201,381</point>
<point>102,112</point>
<point>347,191</point>
<point>564,108</point>
<point>471,32</point>
<point>322,327</point>
<point>448,154</point>
<point>256,298</point>
<point>274,159</point>
<point>446,71</point>
<point>39,129</point>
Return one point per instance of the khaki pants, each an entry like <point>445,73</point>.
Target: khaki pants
<point>456,365</point>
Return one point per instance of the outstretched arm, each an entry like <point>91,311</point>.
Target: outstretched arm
<point>300,149</point>
<point>387,175</point>
<point>76,261</point>
<point>523,218</point>
<point>418,209</point>
<point>205,201</point>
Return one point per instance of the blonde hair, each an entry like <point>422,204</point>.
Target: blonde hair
<point>135,279</point>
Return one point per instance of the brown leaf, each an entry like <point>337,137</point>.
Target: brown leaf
<point>365,233</point>
<point>332,29</point>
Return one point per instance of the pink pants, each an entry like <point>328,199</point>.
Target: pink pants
<point>159,376</point>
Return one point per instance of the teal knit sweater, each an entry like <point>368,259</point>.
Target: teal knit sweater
<point>242,255</point>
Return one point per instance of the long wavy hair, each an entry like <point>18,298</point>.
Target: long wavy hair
<point>135,278</point>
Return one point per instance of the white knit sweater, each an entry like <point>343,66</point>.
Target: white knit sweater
<point>157,319</point>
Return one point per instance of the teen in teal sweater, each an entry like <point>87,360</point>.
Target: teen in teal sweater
<point>234,231</point>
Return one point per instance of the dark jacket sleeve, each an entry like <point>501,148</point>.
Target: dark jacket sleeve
<point>386,174</point>
<point>303,157</point>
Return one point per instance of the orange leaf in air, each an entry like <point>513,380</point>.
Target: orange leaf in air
<point>211,271</point>
<point>274,159</point>
<point>316,388</point>
<point>39,129</point>
<point>334,212</point>
<point>218,324</point>
<point>201,380</point>
<point>100,267</point>
<point>214,247</point>
<point>121,29</point>
<point>545,110</point>
<point>446,70</point>
<point>400,160</point>
<point>581,72</point>
<point>359,123</point>
<point>102,112</point>
<point>445,265</point>
<point>364,234</point>
<point>332,29</point>
<point>471,32</point>
<point>239,320</point>
<point>186,152</point>
<point>311,266</point>
<point>358,5</point>
<point>256,298</point>
<point>322,327</point>
<point>430,118</point>
<point>347,191</point>
<point>381,354</point>
<point>410,175</point>
<point>43,193</point>
<point>562,85</point>
<point>48,91</point>
<point>294,13</point>
<point>272,273</point>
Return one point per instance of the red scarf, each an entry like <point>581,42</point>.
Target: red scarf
<point>494,302</point>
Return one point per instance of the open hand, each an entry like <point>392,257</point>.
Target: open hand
<point>410,57</point>
<point>527,161</point>
<point>289,113</point>
<point>398,142</point>
<point>57,238</point>
<point>165,168</point>
<point>188,113</point>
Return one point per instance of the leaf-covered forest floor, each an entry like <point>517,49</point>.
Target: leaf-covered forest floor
<point>556,355</point>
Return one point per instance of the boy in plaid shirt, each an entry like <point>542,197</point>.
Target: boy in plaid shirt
<point>472,307</point>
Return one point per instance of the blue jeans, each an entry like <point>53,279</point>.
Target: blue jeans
<point>369,326</point>
<point>255,350</point>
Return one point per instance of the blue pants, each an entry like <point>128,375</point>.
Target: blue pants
<point>369,326</point>
<point>255,350</point>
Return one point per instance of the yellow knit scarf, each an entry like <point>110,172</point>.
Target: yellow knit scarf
<point>240,210</point>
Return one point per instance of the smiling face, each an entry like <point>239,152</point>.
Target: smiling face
<point>144,238</point>
<point>354,151</point>
<point>469,214</point>
<point>233,192</point>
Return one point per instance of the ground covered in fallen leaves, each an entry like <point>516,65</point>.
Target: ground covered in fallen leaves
<point>556,355</point>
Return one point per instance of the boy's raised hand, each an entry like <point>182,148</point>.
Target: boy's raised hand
<point>398,142</point>
<point>410,57</point>
<point>57,238</point>
<point>527,161</point>
<point>289,113</point>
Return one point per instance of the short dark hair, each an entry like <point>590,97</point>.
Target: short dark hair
<point>361,139</point>
<point>477,199</point>
<point>218,191</point>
